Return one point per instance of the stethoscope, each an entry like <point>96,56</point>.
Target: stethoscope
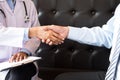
<point>27,19</point>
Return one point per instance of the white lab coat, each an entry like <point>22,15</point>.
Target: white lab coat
<point>12,30</point>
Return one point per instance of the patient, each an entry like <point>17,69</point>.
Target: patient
<point>107,35</point>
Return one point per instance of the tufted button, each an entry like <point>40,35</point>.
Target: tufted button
<point>72,49</point>
<point>93,12</point>
<point>54,11</point>
<point>55,50</point>
<point>73,11</point>
<point>112,12</point>
<point>91,50</point>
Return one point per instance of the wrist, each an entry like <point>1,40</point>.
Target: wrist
<point>66,31</point>
<point>32,32</point>
<point>24,50</point>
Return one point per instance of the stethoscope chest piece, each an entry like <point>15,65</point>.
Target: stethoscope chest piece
<point>27,19</point>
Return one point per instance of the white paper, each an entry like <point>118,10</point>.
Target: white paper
<point>8,65</point>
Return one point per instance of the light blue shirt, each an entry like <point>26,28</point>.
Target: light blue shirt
<point>105,36</point>
<point>11,4</point>
<point>93,36</point>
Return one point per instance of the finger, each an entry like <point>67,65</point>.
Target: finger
<point>58,36</point>
<point>18,57</point>
<point>25,57</point>
<point>52,36</point>
<point>12,59</point>
<point>43,40</point>
<point>54,28</point>
<point>54,43</point>
<point>21,58</point>
<point>48,41</point>
<point>55,40</point>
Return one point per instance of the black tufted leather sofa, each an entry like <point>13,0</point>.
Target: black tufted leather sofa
<point>72,56</point>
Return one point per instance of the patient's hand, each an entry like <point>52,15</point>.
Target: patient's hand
<point>18,57</point>
<point>52,38</point>
<point>61,30</point>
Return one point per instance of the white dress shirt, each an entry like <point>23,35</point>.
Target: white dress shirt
<point>105,36</point>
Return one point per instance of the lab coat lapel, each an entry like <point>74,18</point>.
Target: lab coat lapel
<point>17,7</point>
<point>5,7</point>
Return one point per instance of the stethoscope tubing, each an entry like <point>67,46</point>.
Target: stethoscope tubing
<point>25,8</point>
<point>2,12</point>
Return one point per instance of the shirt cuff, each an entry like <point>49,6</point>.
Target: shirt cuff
<point>26,34</point>
<point>26,51</point>
<point>72,32</point>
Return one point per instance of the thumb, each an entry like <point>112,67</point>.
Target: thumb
<point>51,27</point>
<point>46,28</point>
<point>54,28</point>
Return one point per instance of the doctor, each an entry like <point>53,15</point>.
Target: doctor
<point>18,40</point>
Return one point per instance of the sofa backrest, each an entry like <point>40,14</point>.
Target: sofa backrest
<point>77,13</point>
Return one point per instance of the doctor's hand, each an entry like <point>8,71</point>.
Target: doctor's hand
<point>18,57</point>
<point>47,36</point>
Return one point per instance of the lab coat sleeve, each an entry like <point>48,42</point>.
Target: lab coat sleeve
<point>11,36</point>
<point>34,16</point>
<point>32,45</point>
<point>94,36</point>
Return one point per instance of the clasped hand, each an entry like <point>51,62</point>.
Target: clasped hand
<point>52,35</point>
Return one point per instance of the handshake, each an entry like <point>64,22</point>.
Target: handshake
<point>51,34</point>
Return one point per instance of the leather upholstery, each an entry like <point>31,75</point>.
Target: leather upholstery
<point>73,56</point>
